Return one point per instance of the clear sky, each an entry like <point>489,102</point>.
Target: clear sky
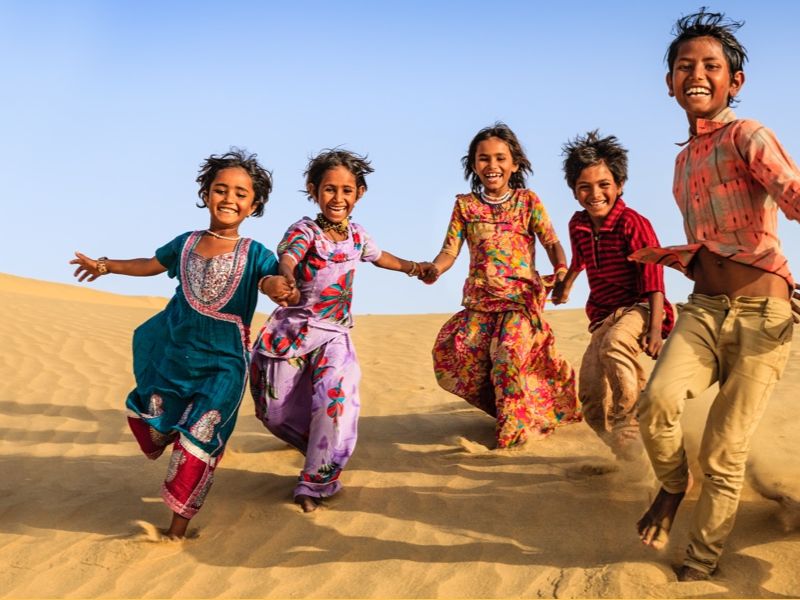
<point>108,109</point>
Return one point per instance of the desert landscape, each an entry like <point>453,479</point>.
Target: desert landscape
<point>428,510</point>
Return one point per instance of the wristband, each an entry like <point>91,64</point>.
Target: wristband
<point>102,267</point>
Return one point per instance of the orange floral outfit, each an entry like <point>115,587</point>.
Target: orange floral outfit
<point>498,353</point>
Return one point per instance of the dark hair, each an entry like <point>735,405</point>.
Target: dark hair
<point>331,158</point>
<point>503,132</point>
<point>589,150</point>
<point>713,25</point>
<point>261,178</point>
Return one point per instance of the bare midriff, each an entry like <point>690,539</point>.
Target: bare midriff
<point>715,275</point>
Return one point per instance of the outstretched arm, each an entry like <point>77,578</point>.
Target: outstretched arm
<point>440,264</point>
<point>91,268</point>
<point>387,260</point>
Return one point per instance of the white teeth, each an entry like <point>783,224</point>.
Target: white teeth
<point>698,91</point>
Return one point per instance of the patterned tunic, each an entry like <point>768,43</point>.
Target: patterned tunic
<point>191,362</point>
<point>498,353</point>
<point>730,181</point>
<point>305,373</point>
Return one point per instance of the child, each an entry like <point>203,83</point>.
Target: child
<point>305,373</point>
<point>190,360</point>
<point>498,353</point>
<point>626,307</point>
<point>736,328</point>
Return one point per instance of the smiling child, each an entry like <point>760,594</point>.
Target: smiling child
<point>627,310</point>
<point>305,372</point>
<point>498,353</point>
<point>736,329</point>
<point>190,360</point>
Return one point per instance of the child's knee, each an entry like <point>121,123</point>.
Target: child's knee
<point>658,405</point>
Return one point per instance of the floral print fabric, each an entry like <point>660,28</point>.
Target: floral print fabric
<point>305,372</point>
<point>499,354</point>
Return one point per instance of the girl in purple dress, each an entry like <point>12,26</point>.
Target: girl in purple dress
<point>305,374</point>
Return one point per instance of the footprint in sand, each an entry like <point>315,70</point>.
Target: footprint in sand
<point>151,533</point>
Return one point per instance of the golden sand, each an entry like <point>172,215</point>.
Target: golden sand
<point>427,510</point>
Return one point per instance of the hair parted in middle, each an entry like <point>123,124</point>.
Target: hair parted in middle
<point>591,149</point>
<point>331,158</point>
<point>235,157</point>
<point>503,132</point>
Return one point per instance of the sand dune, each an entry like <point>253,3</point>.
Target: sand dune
<point>427,511</point>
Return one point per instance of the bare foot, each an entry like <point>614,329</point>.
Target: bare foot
<point>687,573</point>
<point>177,529</point>
<point>654,526</point>
<point>307,503</point>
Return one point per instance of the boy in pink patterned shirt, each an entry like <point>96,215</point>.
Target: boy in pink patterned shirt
<point>736,329</point>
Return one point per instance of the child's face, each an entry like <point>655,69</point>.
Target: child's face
<point>701,80</point>
<point>597,192</point>
<point>230,198</point>
<point>337,193</point>
<point>494,165</point>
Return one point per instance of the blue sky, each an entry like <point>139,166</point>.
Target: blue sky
<point>110,107</point>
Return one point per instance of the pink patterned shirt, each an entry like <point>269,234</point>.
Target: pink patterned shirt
<point>730,180</point>
<point>501,240</point>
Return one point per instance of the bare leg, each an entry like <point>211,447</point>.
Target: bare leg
<point>307,503</point>
<point>654,526</point>
<point>177,529</point>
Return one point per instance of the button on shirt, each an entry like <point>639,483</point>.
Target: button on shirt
<point>614,281</point>
<point>730,180</point>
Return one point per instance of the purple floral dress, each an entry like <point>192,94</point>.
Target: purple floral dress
<point>305,374</point>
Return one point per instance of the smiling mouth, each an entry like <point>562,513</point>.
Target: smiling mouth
<point>596,203</point>
<point>698,91</point>
<point>228,209</point>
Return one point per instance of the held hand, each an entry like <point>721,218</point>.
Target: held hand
<point>287,272</point>
<point>428,273</point>
<point>795,302</point>
<point>560,293</point>
<point>293,298</point>
<point>652,343</point>
<point>280,291</point>
<point>87,267</point>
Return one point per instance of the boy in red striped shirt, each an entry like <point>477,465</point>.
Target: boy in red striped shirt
<point>627,310</point>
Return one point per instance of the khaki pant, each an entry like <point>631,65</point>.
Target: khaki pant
<point>611,377</point>
<point>743,344</point>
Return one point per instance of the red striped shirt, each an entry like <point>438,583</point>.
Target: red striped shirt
<point>614,281</point>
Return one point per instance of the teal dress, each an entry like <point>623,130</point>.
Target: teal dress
<point>191,360</point>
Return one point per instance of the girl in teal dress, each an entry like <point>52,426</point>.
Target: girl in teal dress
<point>191,359</point>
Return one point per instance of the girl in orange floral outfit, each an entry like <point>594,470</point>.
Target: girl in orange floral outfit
<point>498,353</point>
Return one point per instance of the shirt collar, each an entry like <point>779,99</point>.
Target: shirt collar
<point>706,126</point>
<point>611,219</point>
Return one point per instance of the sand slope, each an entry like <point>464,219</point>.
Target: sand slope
<point>425,512</point>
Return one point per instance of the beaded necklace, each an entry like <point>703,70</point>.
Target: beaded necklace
<point>494,199</point>
<point>223,237</point>
<point>327,225</point>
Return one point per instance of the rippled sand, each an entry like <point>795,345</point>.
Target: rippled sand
<point>428,509</point>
